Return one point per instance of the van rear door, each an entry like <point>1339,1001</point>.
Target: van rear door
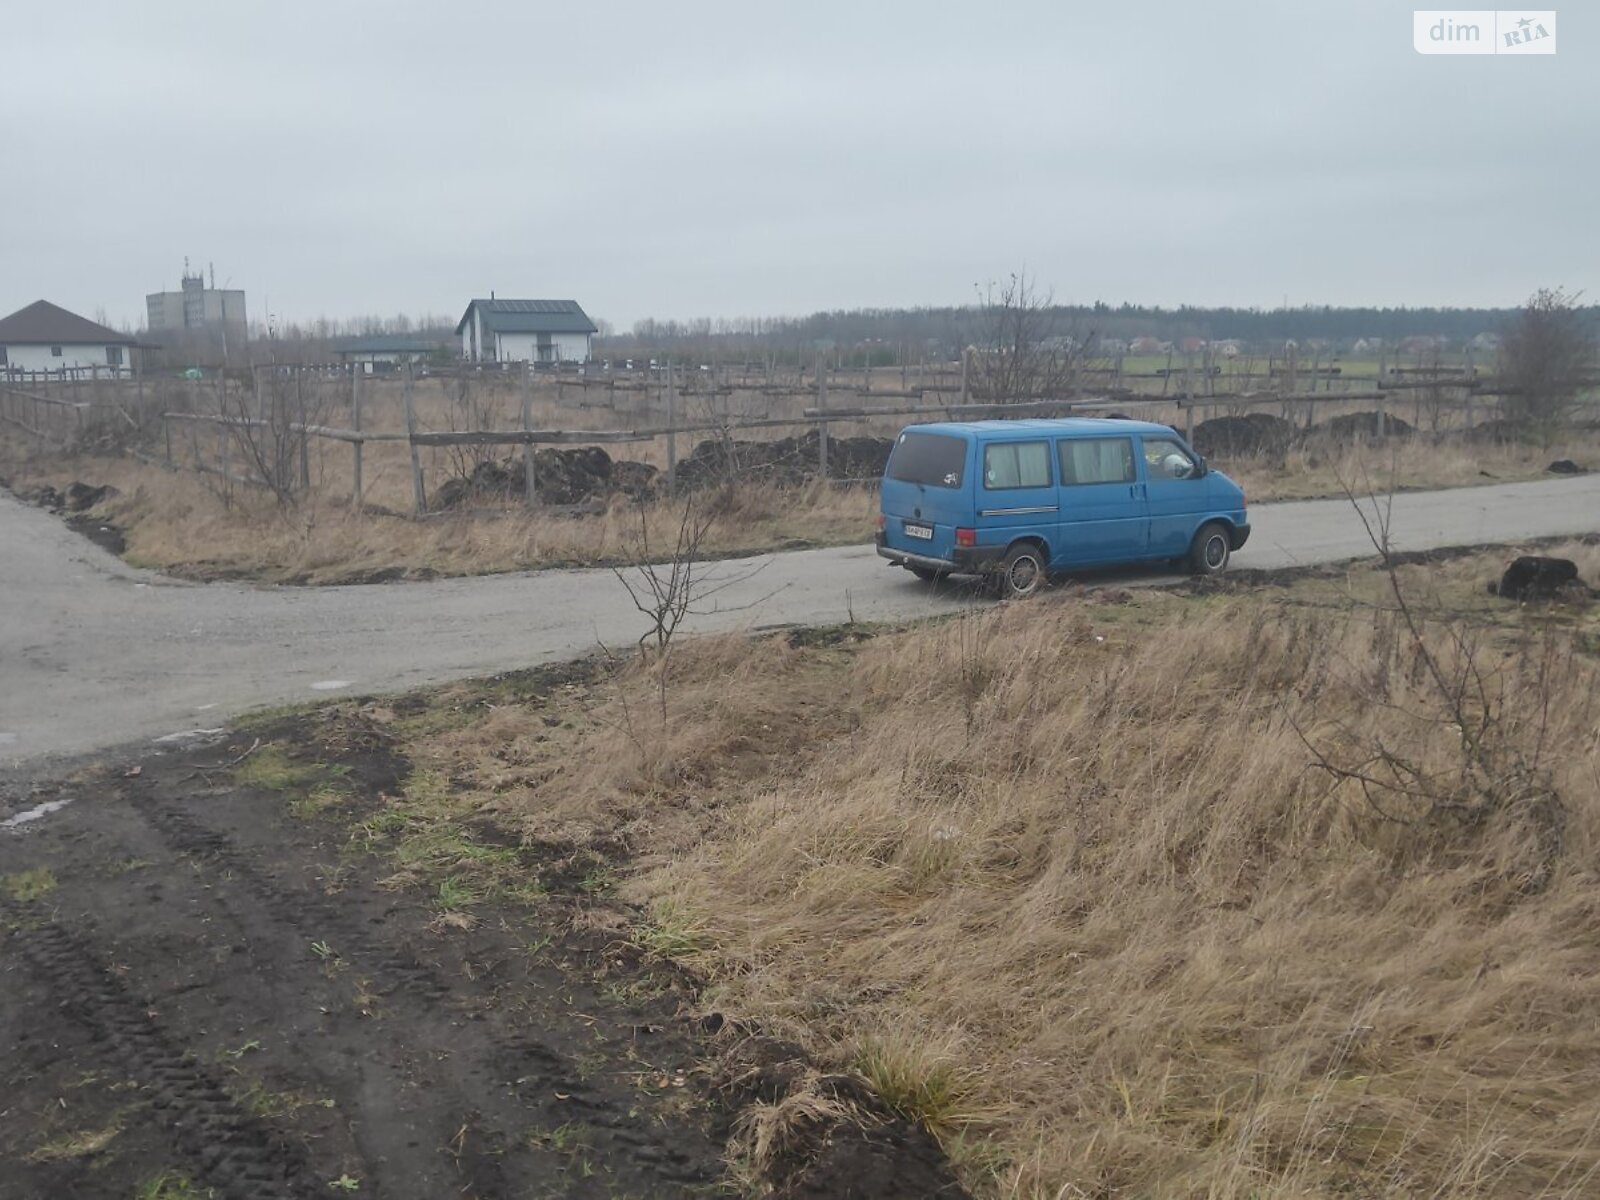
<point>1103,518</point>
<point>925,492</point>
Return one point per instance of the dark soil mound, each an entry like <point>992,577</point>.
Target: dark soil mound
<point>1349,426</point>
<point>560,477</point>
<point>1533,577</point>
<point>789,460</point>
<point>77,497</point>
<point>1233,437</point>
<point>872,1154</point>
<point>81,497</point>
<point>1565,466</point>
<point>44,497</point>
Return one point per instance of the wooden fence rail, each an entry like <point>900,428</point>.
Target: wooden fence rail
<point>36,414</point>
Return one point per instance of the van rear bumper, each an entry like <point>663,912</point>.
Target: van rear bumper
<point>964,560</point>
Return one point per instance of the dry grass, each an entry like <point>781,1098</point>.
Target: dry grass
<point>1060,878</point>
<point>178,522</point>
<point>174,522</point>
<point>1313,471</point>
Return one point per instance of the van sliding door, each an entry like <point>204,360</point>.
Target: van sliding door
<point>1017,493</point>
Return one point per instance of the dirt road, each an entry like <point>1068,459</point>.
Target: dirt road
<point>94,653</point>
<point>224,994</point>
<point>212,987</point>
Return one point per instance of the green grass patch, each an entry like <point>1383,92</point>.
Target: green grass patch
<point>271,769</point>
<point>320,800</point>
<point>170,1185</point>
<point>26,886</point>
<point>264,718</point>
<point>457,894</point>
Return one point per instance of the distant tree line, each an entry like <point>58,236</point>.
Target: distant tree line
<point>888,336</point>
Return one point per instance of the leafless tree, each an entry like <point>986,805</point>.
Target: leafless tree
<point>671,584</point>
<point>1027,350</point>
<point>1545,357</point>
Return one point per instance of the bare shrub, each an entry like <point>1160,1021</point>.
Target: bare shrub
<point>268,430</point>
<point>668,584</point>
<point>1545,357</point>
<point>1471,743</point>
<point>472,408</point>
<point>1028,349</point>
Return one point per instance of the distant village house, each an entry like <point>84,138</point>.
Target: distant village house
<point>45,337</point>
<point>536,331</point>
<point>383,352</point>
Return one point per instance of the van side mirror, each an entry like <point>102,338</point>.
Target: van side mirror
<point>1200,467</point>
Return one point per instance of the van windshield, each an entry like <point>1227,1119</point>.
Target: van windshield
<point>934,459</point>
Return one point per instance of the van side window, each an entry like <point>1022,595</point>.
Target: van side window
<point>1097,460</point>
<point>1016,465</point>
<point>1165,459</point>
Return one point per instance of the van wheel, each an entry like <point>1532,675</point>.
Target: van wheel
<point>1021,572</point>
<point>926,574</point>
<point>1210,550</point>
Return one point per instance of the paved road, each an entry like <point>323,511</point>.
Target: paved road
<point>94,653</point>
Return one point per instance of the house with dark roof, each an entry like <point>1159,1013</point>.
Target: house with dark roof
<point>46,337</point>
<point>540,331</point>
<point>385,352</point>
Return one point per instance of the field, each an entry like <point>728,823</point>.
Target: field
<point>1114,893</point>
<point>204,526</point>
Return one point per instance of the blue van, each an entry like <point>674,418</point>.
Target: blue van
<point>1018,500</point>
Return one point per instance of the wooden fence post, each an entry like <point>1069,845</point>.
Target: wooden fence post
<point>529,467</point>
<point>419,499</point>
<point>305,438</point>
<point>672,434</point>
<point>822,408</point>
<point>356,372</point>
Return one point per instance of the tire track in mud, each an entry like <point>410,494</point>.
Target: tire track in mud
<point>354,938</point>
<point>544,1082</point>
<point>239,1155</point>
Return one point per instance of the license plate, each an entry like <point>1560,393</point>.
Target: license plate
<point>924,532</point>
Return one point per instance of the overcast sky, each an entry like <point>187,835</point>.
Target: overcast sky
<point>685,159</point>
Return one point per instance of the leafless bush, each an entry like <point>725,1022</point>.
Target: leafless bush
<point>1545,356</point>
<point>1473,749</point>
<point>1029,350</point>
<point>267,429</point>
<point>472,409</point>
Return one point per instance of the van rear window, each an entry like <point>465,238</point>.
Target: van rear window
<point>934,459</point>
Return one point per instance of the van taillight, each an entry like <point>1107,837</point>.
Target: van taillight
<point>881,521</point>
<point>966,537</point>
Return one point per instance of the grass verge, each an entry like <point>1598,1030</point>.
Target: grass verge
<point>1069,882</point>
